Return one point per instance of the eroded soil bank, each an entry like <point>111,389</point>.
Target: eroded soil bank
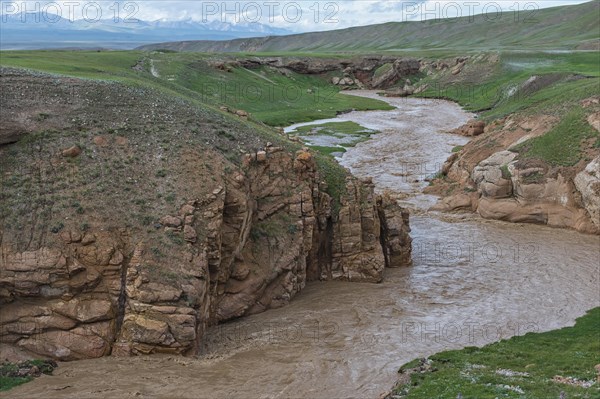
<point>472,282</point>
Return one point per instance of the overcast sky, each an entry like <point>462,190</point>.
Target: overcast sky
<point>297,16</point>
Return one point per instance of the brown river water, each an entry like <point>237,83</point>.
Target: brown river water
<point>473,282</point>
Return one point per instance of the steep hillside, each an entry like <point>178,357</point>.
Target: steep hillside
<point>568,27</point>
<point>132,217</point>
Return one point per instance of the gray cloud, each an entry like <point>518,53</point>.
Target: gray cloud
<point>299,16</point>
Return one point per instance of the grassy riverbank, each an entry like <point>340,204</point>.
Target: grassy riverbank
<point>527,85</point>
<point>499,84</point>
<point>536,365</point>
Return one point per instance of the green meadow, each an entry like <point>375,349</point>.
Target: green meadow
<point>528,366</point>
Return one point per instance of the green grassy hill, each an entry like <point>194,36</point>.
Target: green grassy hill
<point>568,27</point>
<point>172,79</point>
<point>271,97</point>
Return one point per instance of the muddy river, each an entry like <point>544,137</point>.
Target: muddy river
<point>473,282</point>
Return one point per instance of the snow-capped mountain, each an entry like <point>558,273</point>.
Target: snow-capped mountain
<point>38,31</point>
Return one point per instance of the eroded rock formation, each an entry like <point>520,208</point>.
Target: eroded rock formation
<point>489,177</point>
<point>248,245</point>
<point>375,72</point>
<point>471,129</point>
<point>588,184</point>
<point>125,231</point>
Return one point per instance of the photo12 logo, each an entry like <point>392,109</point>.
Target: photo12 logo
<point>469,10</point>
<point>268,12</point>
<point>236,12</point>
<point>55,12</point>
<point>453,254</point>
<point>465,332</point>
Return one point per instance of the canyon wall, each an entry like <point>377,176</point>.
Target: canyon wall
<point>125,232</point>
<point>263,235</point>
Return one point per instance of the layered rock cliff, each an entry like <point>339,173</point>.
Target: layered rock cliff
<point>491,176</point>
<point>124,231</point>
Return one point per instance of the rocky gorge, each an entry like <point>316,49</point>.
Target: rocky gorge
<point>472,282</point>
<point>372,72</point>
<point>147,226</point>
<point>246,242</point>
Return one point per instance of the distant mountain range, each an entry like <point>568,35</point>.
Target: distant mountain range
<point>36,31</point>
<point>574,27</point>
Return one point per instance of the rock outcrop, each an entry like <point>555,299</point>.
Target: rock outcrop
<point>471,129</point>
<point>364,72</point>
<point>393,72</point>
<point>588,184</point>
<point>395,229</point>
<point>144,238</point>
<point>493,177</point>
<point>489,177</point>
<point>526,192</point>
<point>62,302</point>
<point>267,232</point>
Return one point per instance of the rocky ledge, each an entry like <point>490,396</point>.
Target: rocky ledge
<point>488,176</point>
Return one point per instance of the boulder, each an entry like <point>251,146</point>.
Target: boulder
<point>189,233</point>
<point>457,202</point>
<point>511,211</point>
<point>261,156</point>
<point>588,184</point>
<point>492,175</point>
<point>71,152</point>
<point>170,221</point>
<point>472,128</point>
